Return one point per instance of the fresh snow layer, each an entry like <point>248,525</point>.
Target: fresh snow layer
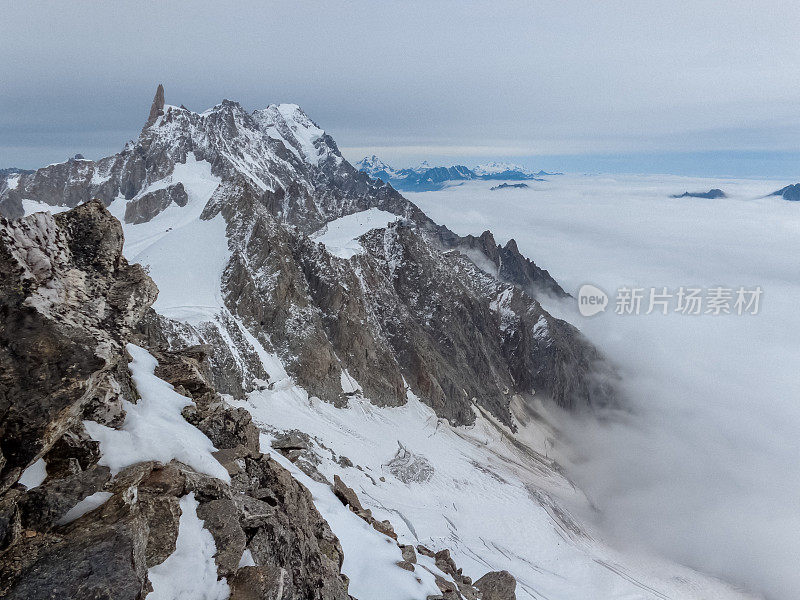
<point>12,182</point>
<point>33,206</point>
<point>154,428</point>
<point>340,236</point>
<point>185,255</point>
<point>34,475</point>
<point>495,502</point>
<point>190,572</point>
<point>86,505</point>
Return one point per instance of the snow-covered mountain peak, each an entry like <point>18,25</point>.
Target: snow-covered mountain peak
<point>288,123</point>
<point>495,168</point>
<point>372,164</point>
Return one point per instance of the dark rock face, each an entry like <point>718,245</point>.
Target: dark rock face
<point>70,303</point>
<point>370,315</point>
<point>62,184</point>
<point>709,195</point>
<point>790,192</point>
<point>148,206</point>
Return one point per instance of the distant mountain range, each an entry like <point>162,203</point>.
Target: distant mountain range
<point>427,178</point>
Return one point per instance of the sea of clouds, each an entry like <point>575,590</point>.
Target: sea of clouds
<point>704,466</point>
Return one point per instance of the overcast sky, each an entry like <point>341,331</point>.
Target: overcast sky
<point>652,86</point>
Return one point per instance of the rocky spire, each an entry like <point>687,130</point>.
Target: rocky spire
<point>157,109</point>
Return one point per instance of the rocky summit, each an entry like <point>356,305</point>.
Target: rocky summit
<point>271,268</point>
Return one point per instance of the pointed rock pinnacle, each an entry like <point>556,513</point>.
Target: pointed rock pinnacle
<point>157,109</point>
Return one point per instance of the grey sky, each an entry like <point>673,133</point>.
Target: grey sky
<point>410,80</point>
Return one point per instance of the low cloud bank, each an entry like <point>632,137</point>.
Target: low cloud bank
<point>704,467</point>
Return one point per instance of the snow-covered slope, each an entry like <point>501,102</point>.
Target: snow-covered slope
<point>341,235</point>
<point>492,497</point>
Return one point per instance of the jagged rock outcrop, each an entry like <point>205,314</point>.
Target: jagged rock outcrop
<point>790,193</point>
<point>68,299</point>
<point>70,303</point>
<point>505,262</point>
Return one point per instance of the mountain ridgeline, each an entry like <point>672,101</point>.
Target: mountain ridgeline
<point>453,318</point>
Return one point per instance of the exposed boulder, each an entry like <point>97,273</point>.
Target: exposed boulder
<point>497,585</point>
<point>346,494</point>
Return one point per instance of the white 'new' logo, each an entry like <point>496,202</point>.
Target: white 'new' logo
<point>591,300</point>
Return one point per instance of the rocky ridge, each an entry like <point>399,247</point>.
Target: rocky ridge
<point>416,313</point>
<point>106,553</point>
